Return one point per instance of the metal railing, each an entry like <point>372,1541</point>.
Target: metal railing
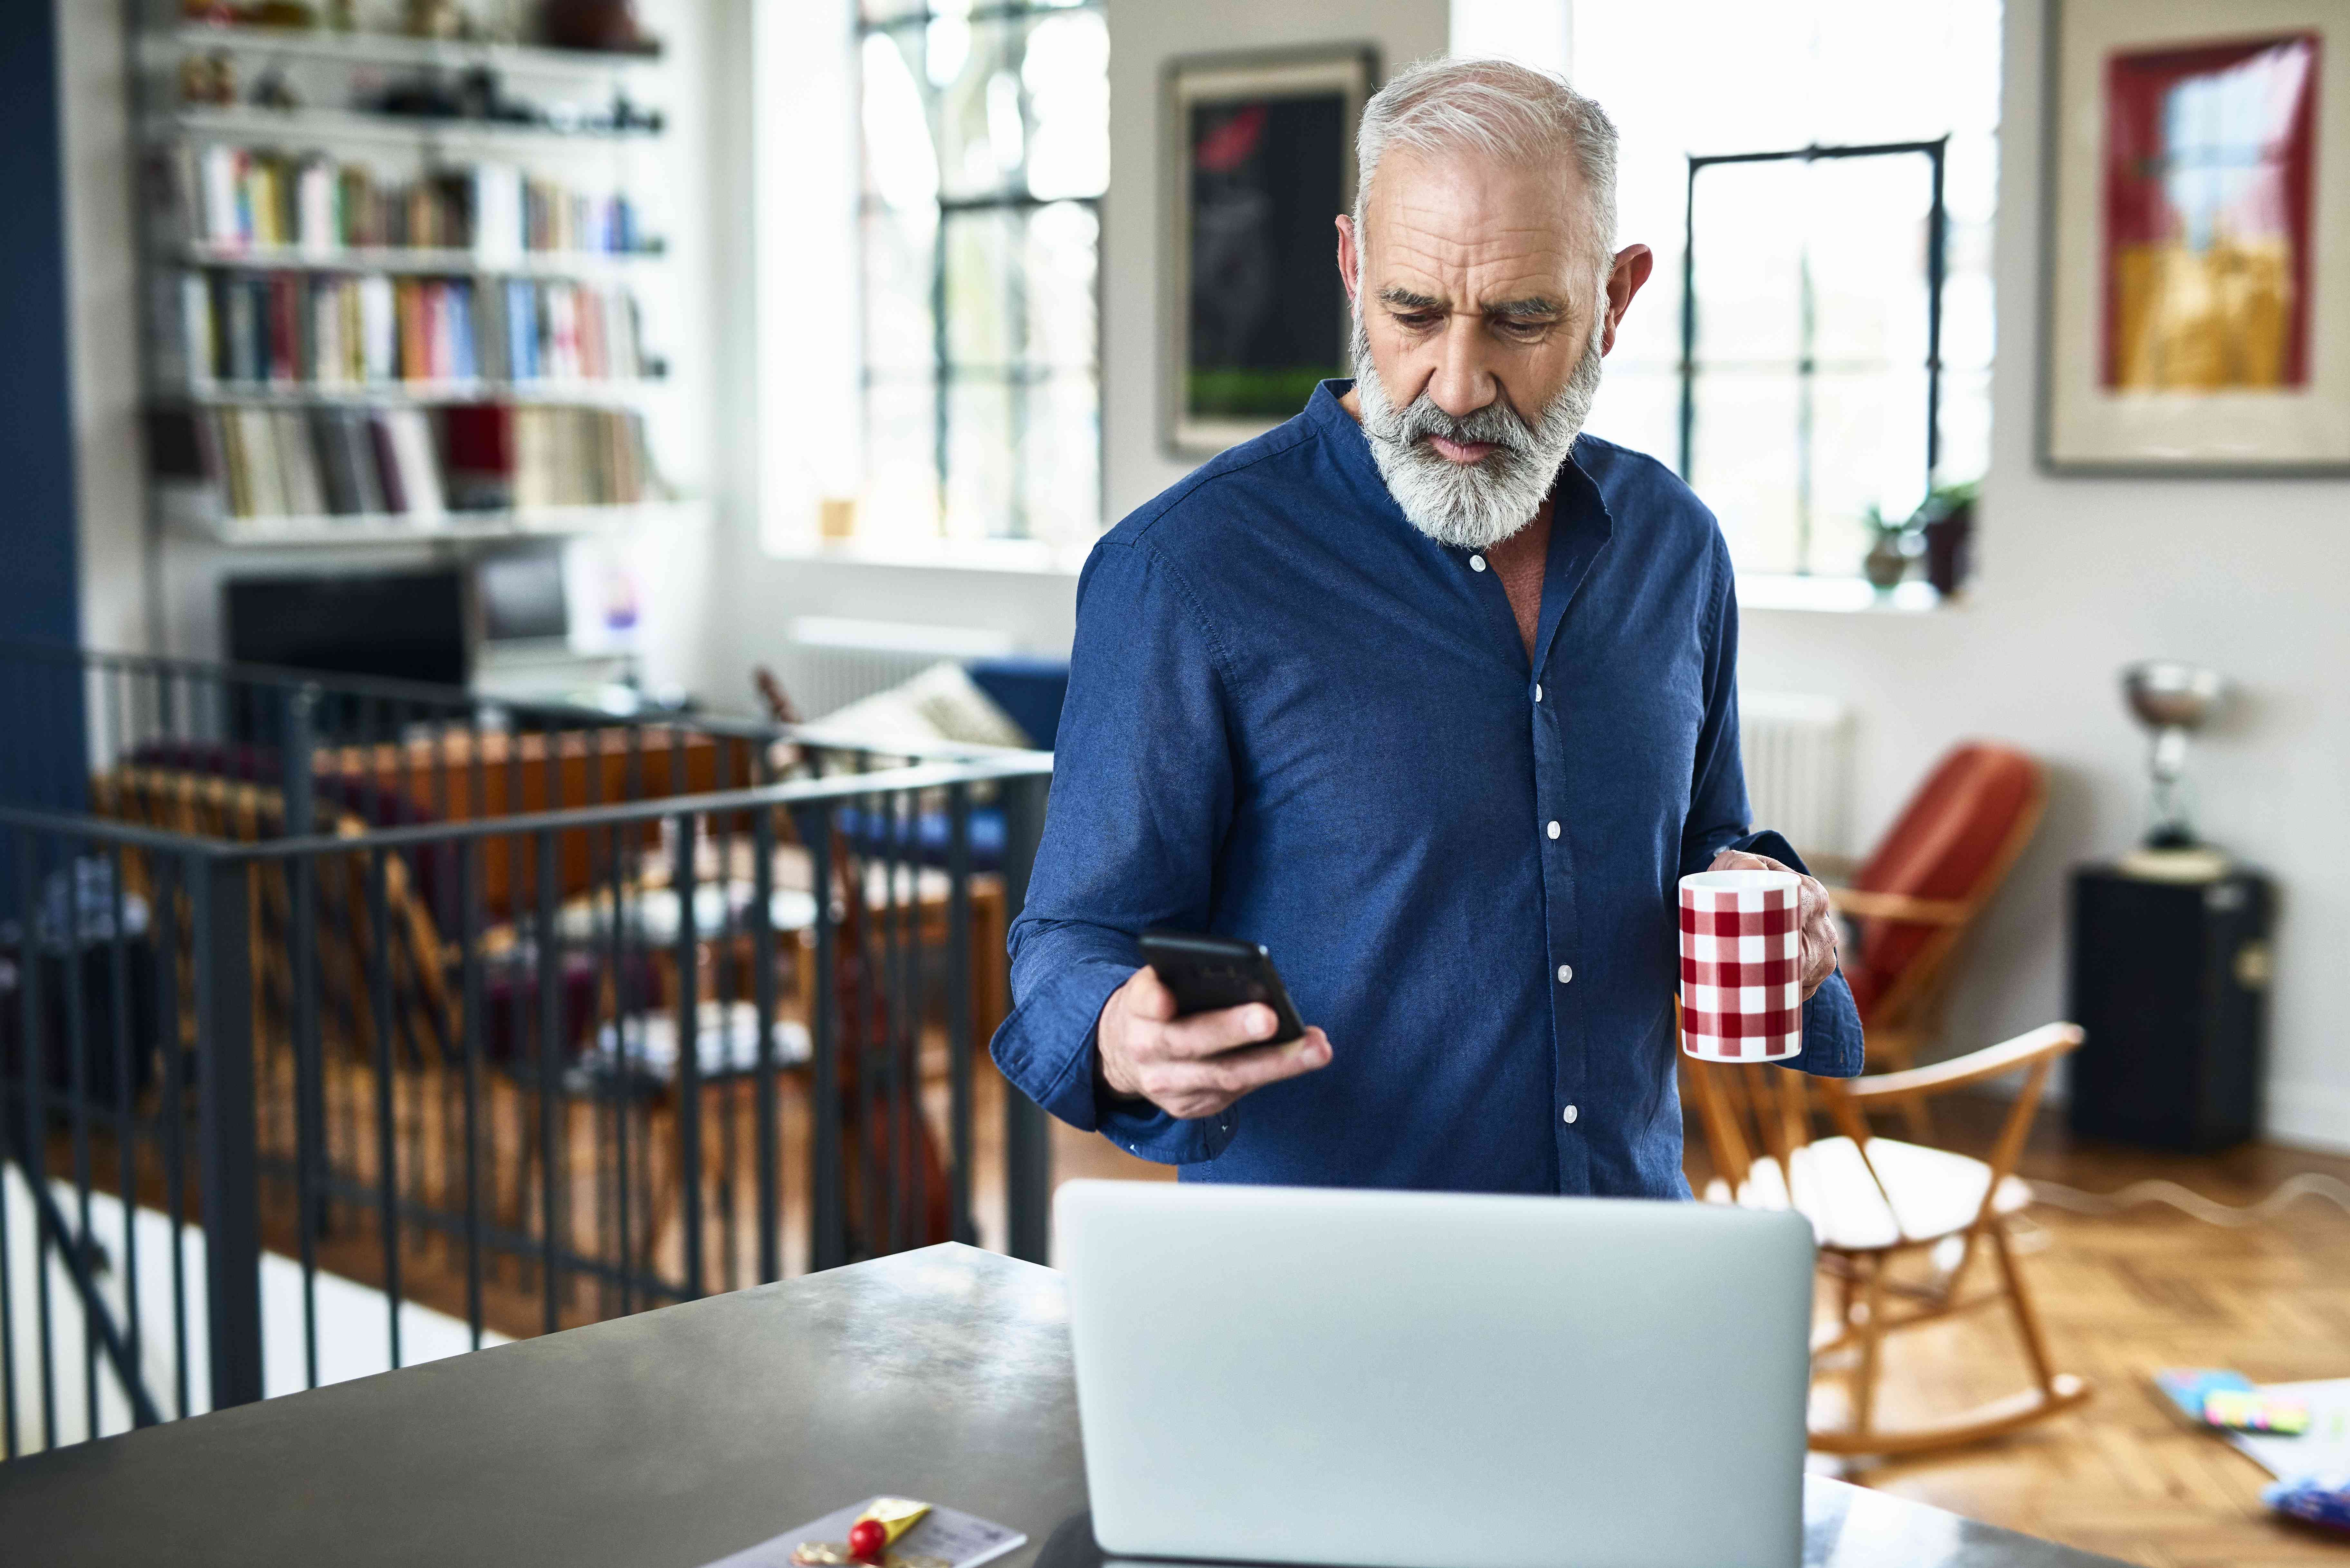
<point>640,1011</point>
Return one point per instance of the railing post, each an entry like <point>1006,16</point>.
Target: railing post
<point>298,771</point>
<point>1028,1135</point>
<point>224,1091</point>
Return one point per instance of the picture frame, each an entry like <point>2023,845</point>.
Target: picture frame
<point>2194,310</point>
<point>1257,151</point>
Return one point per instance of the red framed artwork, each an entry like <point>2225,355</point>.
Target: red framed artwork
<point>2200,159</point>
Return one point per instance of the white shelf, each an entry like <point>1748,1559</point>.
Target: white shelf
<point>385,49</point>
<point>398,529</point>
<point>420,394</point>
<point>242,123</point>
<point>407,259</point>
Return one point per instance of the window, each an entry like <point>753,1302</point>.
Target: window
<point>1808,393</point>
<point>985,151</point>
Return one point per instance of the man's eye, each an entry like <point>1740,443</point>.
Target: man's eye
<point>1525,330</point>
<point>1417,320</point>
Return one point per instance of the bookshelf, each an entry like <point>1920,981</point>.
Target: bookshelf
<point>400,289</point>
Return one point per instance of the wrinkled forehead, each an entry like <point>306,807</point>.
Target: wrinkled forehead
<point>1467,225</point>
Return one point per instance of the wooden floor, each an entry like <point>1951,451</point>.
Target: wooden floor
<point>2122,1296</point>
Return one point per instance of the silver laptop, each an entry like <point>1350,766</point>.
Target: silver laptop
<point>1432,1380</point>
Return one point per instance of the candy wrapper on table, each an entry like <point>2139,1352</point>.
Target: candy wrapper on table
<point>911,1534</point>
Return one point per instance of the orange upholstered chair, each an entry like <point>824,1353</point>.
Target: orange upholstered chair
<point>1914,899</point>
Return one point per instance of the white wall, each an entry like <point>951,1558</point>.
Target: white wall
<point>2078,577</point>
<point>1038,610</point>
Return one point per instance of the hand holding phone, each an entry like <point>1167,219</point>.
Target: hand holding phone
<point>1211,1025</point>
<point>1209,973</point>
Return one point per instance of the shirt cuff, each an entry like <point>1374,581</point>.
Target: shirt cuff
<point>1046,1049</point>
<point>1832,1046</point>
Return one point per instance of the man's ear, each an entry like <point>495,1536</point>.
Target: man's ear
<point>1625,276</point>
<point>1350,264</point>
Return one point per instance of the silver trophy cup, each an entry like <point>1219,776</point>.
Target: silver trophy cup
<point>2172,701</point>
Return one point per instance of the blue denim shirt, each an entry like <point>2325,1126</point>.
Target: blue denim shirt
<point>1293,717</point>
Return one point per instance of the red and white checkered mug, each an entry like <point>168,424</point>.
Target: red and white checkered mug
<point>1742,979</point>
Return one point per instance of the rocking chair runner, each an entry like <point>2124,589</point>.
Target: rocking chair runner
<point>1874,1202</point>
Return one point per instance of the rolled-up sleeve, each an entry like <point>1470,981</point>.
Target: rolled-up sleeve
<point>1141,799</point>
<point>1833,1047</point>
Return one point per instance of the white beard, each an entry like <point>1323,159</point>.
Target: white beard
<point>1472,505</point>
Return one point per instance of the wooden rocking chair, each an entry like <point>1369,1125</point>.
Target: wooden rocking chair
<point>1918,894</point>
<point>1874,1203</point>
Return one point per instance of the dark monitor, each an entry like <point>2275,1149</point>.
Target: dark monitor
<point>408,626</point>
<point>520,593</point>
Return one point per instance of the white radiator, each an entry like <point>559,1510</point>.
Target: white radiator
<point>1798,754</point>
<point>832,662</point>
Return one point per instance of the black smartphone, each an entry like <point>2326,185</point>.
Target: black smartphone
<point>1211,972</point>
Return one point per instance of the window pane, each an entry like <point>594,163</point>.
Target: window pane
<point>980,455</point>
<point>1006,109</point>
<point>1640,406</point>
<point>1060,459</point>
<point>1063,314</point>
<point>901,167</point>
<point>1868,448</point>
<point>1746,469</point>
<point>901,475</point>
<point>1966,424</point>
<point>1864,259</point>
<point>897,263</point>
<point>1749,260</point>
<point>985,304</point>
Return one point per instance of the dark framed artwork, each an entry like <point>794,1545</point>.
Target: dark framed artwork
<point>1259,154</point>
<point>2195,316</point>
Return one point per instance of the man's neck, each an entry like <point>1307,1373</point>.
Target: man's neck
<point>1517,560</point>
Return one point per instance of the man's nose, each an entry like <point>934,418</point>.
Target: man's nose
<point>1462,382</point>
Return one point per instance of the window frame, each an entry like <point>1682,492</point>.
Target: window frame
<point>944,372</point>
<point>1804,365</point>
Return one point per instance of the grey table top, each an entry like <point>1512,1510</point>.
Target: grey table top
<point>671,1438</point>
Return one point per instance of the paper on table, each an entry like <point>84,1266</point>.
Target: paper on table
<point>961,1539</point>
<point>2323,1449</point>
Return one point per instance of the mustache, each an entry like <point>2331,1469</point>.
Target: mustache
<point>1496,424</point>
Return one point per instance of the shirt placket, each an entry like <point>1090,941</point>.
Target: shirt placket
<point>1554,844</point>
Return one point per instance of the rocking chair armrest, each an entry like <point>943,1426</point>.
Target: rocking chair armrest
<point>2049,1039</point>
<point>1899,907</point>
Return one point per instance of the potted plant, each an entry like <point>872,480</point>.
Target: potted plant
<point>1888,561</point>
<point>1947,522</point>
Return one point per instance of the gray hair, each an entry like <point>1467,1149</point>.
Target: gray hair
<point>1499,109</point>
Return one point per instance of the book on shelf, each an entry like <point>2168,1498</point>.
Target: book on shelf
<point>271,463</point>
<point>240,198</point>
<point>290,329</point>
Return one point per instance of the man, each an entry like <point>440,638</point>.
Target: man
<point>1430,694</point>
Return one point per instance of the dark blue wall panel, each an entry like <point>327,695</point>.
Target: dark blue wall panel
<point>40,586</point>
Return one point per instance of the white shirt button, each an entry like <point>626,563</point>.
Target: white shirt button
<point>1476,562</point>
<point>1565,973</point>
<point>1552,830</point>
<point>1537,690</point>
<point>1569,1114</point>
